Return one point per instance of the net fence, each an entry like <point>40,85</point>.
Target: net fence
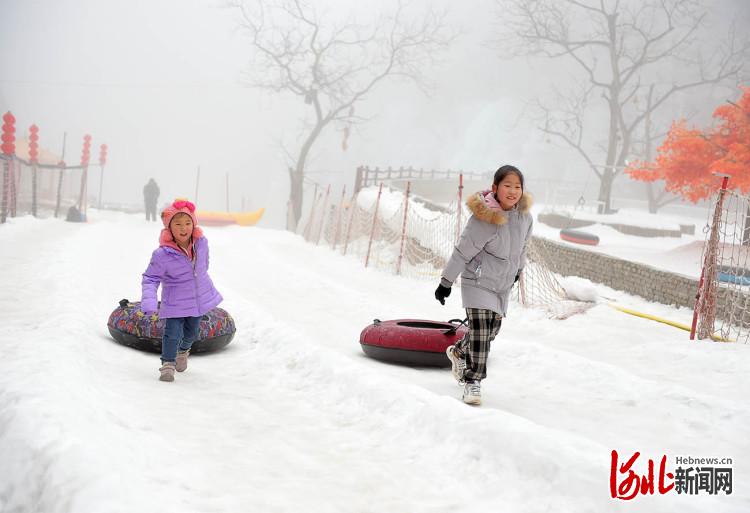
<point>38,190</point>
<point>723,301</point>
<point>409,236</point>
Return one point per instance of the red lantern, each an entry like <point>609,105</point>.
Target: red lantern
<point>8,136</point>
<point>86,153</point>
<point>102,154</point>
<point>33,146</point>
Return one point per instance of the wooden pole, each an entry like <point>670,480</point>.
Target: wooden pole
<point>18,166</point>
<point>84,178</point>
<point>338,219</point>
<point>308,227</point>
<point>374,222</point>
<point>34,180</point>
<point>101,181</point>
<point>60,180</point>
<point>351,220</point>
<point>710,255</point>
<point>403,228</point>
<point>323,214</point>
<point>6,186</point>
<point>13,188</point>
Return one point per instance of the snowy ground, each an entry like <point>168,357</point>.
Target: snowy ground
<point>292,417</point>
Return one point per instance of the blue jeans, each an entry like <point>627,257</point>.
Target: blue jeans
<point>179,331</point>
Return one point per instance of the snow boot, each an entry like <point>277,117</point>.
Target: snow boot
<point>458,364</point>
<point>181,360</point>
<point>472,393</point>
<point>167,371</point>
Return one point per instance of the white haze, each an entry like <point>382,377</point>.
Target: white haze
<point>160,82</point>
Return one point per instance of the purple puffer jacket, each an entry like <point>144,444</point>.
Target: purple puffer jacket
<point>186,292</point>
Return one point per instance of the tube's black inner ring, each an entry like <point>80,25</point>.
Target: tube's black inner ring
<point>426,324</point>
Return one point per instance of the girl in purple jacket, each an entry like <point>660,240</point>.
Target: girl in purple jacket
<point>180,264</point>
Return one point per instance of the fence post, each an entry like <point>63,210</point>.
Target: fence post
<point>84,187</point>
<point>460,205</point>
<point>338,218</point>
<point>403,228</point>
<point>101,184</point>
<point>374,222</point>
<point>34,161</point>
<point>351,221</point>
<point>13,188</point>
<point>102,162</point>
<point>34,185</point>
<point>308,227</point>
<point>6,185</point>
<point>323,214</point>
<point>709,260</point>
<point>358,179</point>
<point>85,156</point>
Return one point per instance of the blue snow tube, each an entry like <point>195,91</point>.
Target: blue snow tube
<point>733,278</point>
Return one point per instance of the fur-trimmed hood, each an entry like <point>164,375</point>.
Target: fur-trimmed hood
<point>486,208</point>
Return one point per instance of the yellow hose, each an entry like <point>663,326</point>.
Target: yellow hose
<point>661,320</point>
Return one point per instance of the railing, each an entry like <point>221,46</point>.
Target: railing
<point>369,177</point>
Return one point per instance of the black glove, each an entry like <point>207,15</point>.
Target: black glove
<point>441,293</point>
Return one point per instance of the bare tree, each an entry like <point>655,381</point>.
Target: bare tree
<point>621,49</point>
<point>656,197</point>
<point>333,65</point>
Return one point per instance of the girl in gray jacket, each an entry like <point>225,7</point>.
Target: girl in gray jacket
<point>489,257</point>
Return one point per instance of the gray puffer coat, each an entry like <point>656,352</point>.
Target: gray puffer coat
<point>490,252</point>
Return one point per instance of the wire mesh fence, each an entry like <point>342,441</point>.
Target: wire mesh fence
<point>42,191</point>
<point>722,308</point>
<point>394,230</point>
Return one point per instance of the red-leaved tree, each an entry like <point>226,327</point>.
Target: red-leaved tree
<point>688,156</point>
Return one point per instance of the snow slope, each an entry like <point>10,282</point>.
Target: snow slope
<point>292,416</point>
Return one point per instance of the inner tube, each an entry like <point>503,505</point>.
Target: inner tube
<point>228,218</point>
<point>414,342</point>
<point>130,327</point>
<point>579,237</point>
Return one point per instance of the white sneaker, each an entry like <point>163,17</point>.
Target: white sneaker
<point>458,364</point>
<point>472,393</point>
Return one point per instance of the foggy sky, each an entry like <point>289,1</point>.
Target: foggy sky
<point>159,81</point>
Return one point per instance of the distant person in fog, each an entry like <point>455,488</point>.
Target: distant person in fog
<point>151,198</point>
<point>75,215</point>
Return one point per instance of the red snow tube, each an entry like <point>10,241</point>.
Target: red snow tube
<point>579,237</point>
<point>411,341</point>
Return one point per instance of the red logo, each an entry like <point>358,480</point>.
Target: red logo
<point>632,484</point>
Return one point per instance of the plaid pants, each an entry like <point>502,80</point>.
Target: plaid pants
<point>475,346</point>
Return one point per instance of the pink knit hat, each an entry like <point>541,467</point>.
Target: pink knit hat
<point>178,206</point>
